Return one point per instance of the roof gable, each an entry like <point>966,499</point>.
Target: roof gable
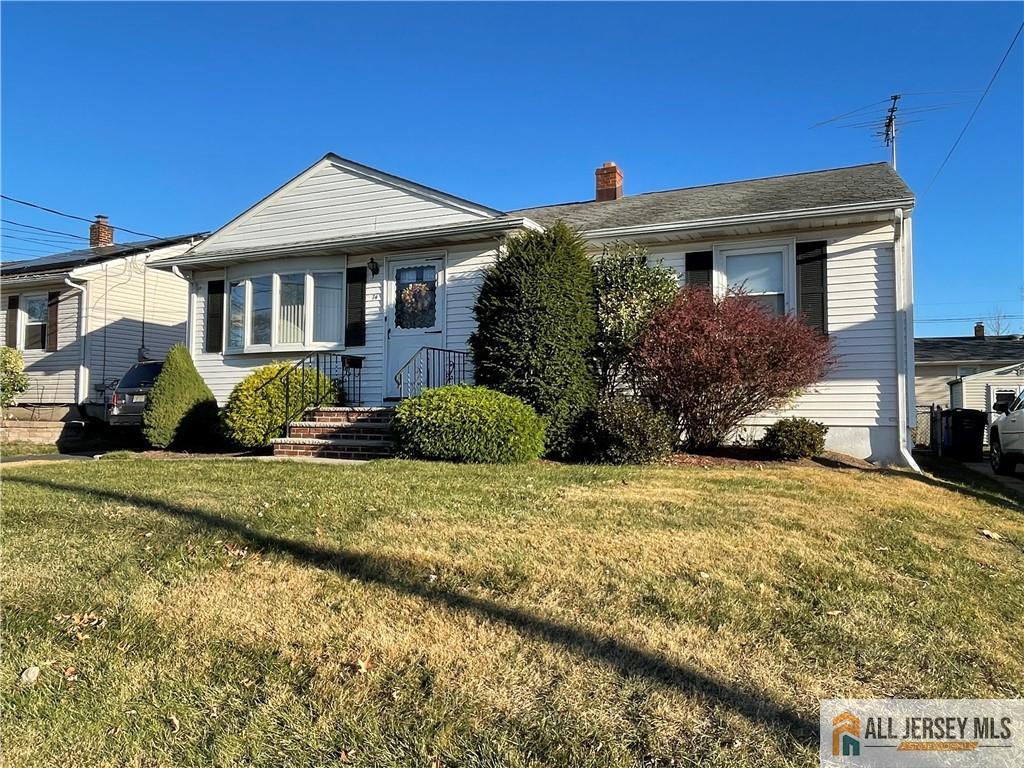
<point>69,260</point>
<point>337,198</point>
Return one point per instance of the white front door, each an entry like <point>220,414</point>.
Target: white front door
<point>415,317</point>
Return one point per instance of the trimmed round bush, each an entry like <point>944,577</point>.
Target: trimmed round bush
<point>255,412</point>
<point>795,438</point>
<point>468,424</point>
<point>624,430</point>
<point>180,411</point>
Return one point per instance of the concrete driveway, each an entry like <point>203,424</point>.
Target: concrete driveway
<point>1014,482</point>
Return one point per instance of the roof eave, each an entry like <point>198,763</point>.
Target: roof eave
<point>772,216</point>
<point>385,240</point>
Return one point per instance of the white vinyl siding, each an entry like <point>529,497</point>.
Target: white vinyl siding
<point>131,306</point>
<point>330,201</point>
<point>53,376</point>
<point>861,391</point>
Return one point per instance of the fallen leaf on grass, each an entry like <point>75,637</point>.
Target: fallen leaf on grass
<point>990,534</point>
<point>175,725</point>
<point>29,676</point>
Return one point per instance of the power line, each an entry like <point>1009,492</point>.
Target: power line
<point>53,243</point>
<point>72,216</point>
<point>43,229</point>
<point>976,108</point>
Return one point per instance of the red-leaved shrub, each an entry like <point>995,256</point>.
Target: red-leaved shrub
<point>710,363</point>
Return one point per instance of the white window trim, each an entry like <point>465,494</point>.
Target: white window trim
<point>307,345</point>
<point>721,251</point>
<point>23,321</point>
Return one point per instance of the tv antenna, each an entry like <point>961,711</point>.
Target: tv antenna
<point>890,128</point>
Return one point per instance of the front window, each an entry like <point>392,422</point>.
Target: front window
<point>291,315</point>
<point>35,322</point>
<point>328,307</point>
<point>416,297</point>
<point>761,276</point>
<point>286,310</point>
<point>236,315</point>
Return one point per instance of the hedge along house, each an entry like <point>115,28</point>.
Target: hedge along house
<point>82,318</point>
<point>382,273</point>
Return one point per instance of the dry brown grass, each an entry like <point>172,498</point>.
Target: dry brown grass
<point>402,613</point>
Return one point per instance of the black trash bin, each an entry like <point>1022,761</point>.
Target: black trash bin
<point>963,433</point>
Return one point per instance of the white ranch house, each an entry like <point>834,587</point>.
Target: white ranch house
<point>349,260</point>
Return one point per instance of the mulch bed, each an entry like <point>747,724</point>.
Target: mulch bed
<point>743,456</point>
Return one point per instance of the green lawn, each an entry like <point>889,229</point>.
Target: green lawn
<point>403,613</point>
<point>21,448</point>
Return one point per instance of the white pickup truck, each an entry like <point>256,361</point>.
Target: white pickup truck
<point>1006,436</point>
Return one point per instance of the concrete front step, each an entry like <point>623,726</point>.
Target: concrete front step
<point>336,448</point>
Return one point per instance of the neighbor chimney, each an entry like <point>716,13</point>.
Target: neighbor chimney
<point>979,330</point>
<point>609,182</point>
<point>100,232</point>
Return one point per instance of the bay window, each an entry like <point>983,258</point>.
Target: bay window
<point>291,310</point>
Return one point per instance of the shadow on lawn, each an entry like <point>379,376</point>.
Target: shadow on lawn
<point>406,576</point>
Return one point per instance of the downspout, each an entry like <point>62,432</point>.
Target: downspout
<point>903,254</point>
<point>188,307</point>
<point>83,330</point>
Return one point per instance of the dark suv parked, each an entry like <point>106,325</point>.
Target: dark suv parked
<point>130,394</point>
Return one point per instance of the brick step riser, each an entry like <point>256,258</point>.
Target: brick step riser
<point>333,432</point>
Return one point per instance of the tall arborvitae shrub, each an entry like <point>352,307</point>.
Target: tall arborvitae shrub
<point>180,409</point>
<point>535,329</point>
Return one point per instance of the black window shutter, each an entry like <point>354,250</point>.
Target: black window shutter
<point>214,341</point>
<point>699,266</point>
<point>812,285</point>
<point>355,311</point>
<point>11,333</point>
<point>52,308</point>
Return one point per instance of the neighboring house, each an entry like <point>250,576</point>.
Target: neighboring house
<point>940,360</point>
<point>82,318</point>
<point>346,258</point>
<point>982,390</point>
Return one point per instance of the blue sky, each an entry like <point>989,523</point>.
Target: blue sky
<point>174,118</point>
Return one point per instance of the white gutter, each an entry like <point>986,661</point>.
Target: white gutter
<point>903,257</point>
<point>754,218</point>
<point>83,331</point>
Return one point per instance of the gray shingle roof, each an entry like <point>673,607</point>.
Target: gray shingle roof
<point>69,260</point>
<point>968,348</point>
<point>872,183</point>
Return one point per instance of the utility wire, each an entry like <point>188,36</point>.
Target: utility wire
<point>976,107</point>
<point>43,229</point>
<point>72,216</point>
<point>53,243</point>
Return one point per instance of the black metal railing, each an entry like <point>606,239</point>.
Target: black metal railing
<point>433,367</point>
<point>319,378</point>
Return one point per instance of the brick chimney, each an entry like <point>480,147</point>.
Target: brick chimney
<point>100,232</point>
<point>979,330</point>
<point>609,182</point>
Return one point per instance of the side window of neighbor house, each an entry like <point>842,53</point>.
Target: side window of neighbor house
<point>35,322</point>
<point>236,315</point>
